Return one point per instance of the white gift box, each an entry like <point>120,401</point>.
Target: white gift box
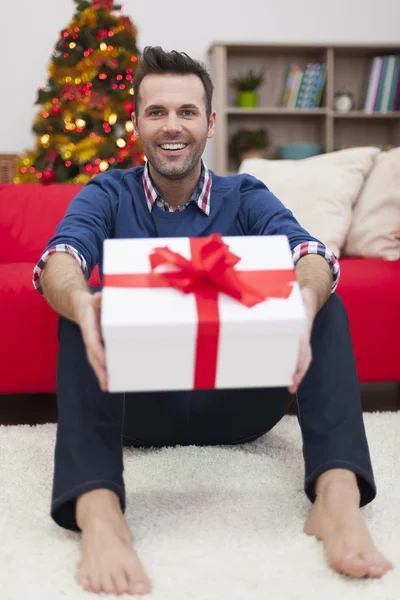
<point>150,333</point>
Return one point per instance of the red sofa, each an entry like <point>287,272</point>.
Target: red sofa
<point>370,289</point>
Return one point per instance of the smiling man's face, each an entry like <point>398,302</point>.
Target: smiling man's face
<point>172,123</point>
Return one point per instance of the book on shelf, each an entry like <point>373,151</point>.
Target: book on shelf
<point>304,87</point>
<point>383,85</point>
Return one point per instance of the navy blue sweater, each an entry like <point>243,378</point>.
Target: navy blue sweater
<point>113,205</point>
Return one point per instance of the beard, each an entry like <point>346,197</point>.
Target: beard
<point>177,168</point>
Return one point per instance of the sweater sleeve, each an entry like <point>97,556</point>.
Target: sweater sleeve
<point>262,213</point>
<point>88,221</point>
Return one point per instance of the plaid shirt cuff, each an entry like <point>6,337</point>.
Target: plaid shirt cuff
<point>37,271</point>
<point>316,248</point>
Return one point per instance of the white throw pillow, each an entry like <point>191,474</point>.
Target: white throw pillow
<point>320,191</point>
<point>375,228</point>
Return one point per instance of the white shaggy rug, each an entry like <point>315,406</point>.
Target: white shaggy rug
<point>211,523</point>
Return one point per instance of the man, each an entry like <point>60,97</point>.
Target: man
<point>175,195</point>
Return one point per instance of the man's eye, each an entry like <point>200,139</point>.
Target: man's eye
<point>157,113</point>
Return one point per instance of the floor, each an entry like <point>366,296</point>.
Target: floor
<point>32,409</point>
<point>222,522</point>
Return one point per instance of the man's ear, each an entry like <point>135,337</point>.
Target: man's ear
<point>211,125</point>
<point>135,128</point>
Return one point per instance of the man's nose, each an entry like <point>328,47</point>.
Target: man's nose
<point>172,124</point>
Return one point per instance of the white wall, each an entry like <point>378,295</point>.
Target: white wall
<point>31,28</point>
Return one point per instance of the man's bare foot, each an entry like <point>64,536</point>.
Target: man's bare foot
<point>336,519</point>
<point>108,564</point>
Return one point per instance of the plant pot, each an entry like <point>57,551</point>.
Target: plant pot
<point>247,99</point>
<point>299,151</point>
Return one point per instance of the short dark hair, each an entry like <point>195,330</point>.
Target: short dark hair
<point>154,60</point>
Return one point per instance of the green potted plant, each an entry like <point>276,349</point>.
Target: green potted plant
<point>248,143</point>
<point>247,86</point>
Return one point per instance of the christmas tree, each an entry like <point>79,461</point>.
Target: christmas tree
<point>84,126</point>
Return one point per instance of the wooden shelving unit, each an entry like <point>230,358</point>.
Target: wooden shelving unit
<point>348,68</point>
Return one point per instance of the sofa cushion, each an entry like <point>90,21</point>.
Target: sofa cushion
<point>29,214</point>
<point>320,191</point>
<point>29,329</point>
<point>370,290</point>
<point>28,354</point>
<point>375,227</point>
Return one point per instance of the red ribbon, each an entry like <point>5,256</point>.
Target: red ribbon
<point>102,4</point>
<point>209,272</point>
<point>70,88</point>
<point>98,101</point>
<point>106,60</point>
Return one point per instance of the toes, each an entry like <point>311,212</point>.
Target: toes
<point>121,583</point>
<point>82,579</point>
<point>387,564</point>
<point>139,587</point>
<point>364,565</point>
<point>354,566</point>
<point>94,583</point>
<point>107,584</point>
<point>86,583</point>
<point>378,565</point>
<point>375,571</point>
<point>138,582</point>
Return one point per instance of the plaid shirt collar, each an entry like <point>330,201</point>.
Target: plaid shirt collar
<point>201,194</point>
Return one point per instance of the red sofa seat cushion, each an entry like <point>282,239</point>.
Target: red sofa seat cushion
<point>29,329</point>
<point>370,290</point>
<point>28,354</point>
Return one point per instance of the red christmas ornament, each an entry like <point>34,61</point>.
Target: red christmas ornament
<point>129,26</point>
<point>102,33</point>
<point>48,175</point>
<point>56,111</point>
<point>102,4</point>
<point>129,106</point>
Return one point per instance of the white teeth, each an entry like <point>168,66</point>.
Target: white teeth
<point>173,146</point>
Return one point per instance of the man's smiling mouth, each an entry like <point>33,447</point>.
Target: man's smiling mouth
<point>172,147</point>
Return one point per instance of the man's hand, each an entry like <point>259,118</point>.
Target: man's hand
<point>305,354</point>
<point>88,310</point>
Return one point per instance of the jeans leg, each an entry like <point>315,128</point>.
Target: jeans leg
<point>329,405</point>
<point>88,452</point>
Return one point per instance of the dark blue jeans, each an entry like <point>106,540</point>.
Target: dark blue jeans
<point>93,426</point>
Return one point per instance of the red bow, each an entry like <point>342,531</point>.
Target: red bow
<point>98,101</point>
<point>209,272</point>
<point>102,4</point>
<point>106,60</point>
<point>72,89</point>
